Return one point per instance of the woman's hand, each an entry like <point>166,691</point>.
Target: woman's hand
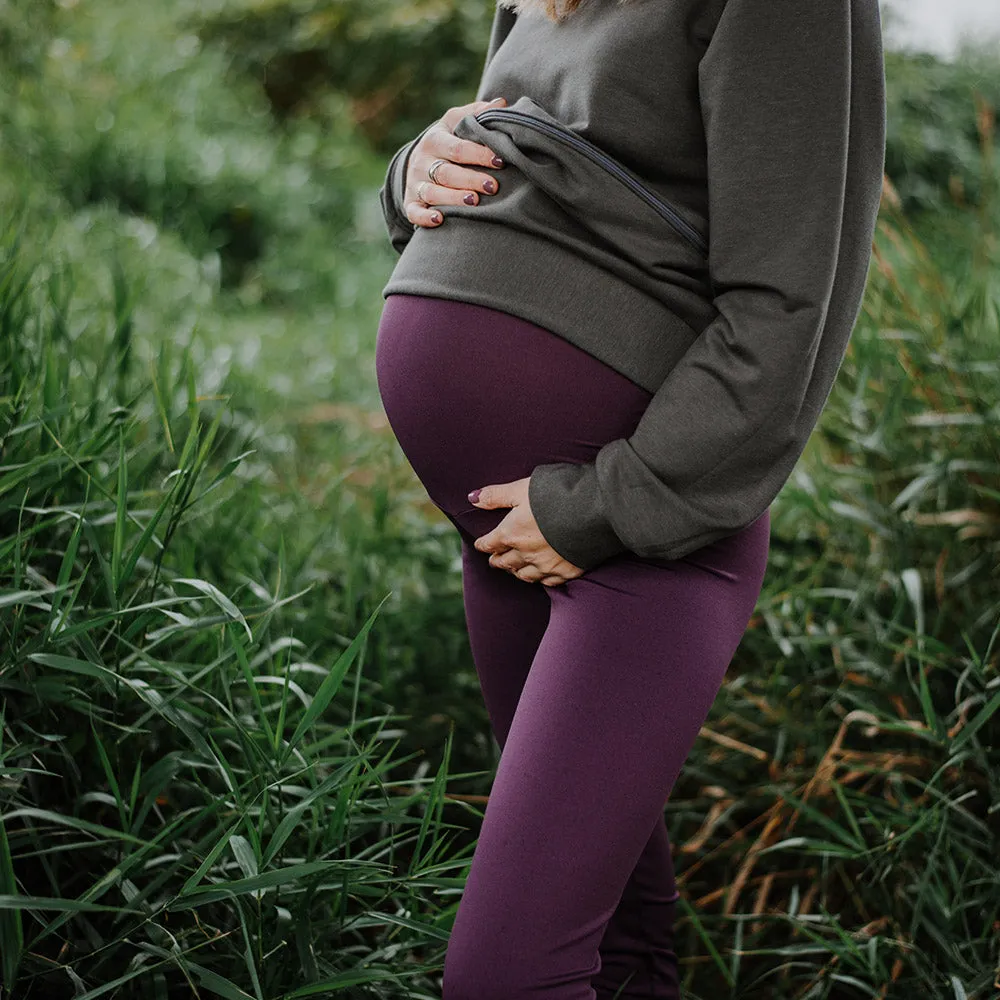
<point>516,543</point>
<point>453,184</point>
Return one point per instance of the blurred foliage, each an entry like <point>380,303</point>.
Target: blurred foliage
<point>394,59</point>
<point>939,117</point>
<point>137,111</point>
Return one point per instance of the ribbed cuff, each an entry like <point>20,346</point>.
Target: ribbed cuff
<point>565,500</point>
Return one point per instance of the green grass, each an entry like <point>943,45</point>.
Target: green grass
<point>198,783</point>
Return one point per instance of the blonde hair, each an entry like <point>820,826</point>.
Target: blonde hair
<point>555,10</point>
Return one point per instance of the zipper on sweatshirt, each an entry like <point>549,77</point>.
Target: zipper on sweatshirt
<point>598,156</point>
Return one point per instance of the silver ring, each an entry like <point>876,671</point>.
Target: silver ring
<point>420,187</point>
<point>433,168</point>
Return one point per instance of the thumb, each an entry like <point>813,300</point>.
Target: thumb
<point>488,497</point>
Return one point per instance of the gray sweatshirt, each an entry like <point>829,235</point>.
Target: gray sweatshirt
<point>690,195</point>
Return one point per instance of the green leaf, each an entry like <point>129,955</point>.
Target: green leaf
<point>66,567</point>
<point>210,859</point>
<point>76,666</point>
<point>11,929</point>
<point>243,886</point>
<point>706,940</point>
<point>244,855</point>
<point>333,680</point>
<point>216,595</point>
<point>52,903</point>
<point>981,718</point>
<point>342,981</point>
<point>118,541</point>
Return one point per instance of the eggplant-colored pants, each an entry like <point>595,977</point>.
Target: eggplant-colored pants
<point>595,688</point>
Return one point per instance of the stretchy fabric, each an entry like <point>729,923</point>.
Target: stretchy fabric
<point>762,123</point>
<point>596,688</point>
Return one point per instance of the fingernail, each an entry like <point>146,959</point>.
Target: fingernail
<point>435,216</point>
<point>493,100</point>
<point>469,199</point>
<point>496,161</point>
<point>474,496</point>
<point>490,185</point>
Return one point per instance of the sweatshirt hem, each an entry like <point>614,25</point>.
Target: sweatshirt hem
<point>536,279</point>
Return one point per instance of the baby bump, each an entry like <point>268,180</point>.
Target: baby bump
<point>475,395</point>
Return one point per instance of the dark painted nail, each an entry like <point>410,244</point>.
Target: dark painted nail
<point>474,496</point>
<point>496,161</point>
<point>435,216</point>
<point>469,199</point>
<point>490,185</point>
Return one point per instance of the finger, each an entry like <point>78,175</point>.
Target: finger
<point>423,215</point>
<point>551,581</point>
<point>509,560</point>
<point>442,142</point>
<point>452,115</point>
<point>455,183</point>
<point>439,194</point>
<point>493,496</point>
<point>459,184</point>
<point>529,574</point>
<point>491,542</point>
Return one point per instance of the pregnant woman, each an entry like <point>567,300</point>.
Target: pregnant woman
<point>624,290</point>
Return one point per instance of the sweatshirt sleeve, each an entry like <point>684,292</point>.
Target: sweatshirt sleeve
<point>793,105</point>
<point>393,188</point>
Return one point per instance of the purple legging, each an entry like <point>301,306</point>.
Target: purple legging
<point>596,688</point>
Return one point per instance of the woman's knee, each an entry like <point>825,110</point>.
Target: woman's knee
<point>490,967</point>
<point>472,978</point>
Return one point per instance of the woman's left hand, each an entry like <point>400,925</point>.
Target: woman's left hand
<point>516,543</point>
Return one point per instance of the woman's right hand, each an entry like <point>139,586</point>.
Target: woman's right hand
<point>455,184</point>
